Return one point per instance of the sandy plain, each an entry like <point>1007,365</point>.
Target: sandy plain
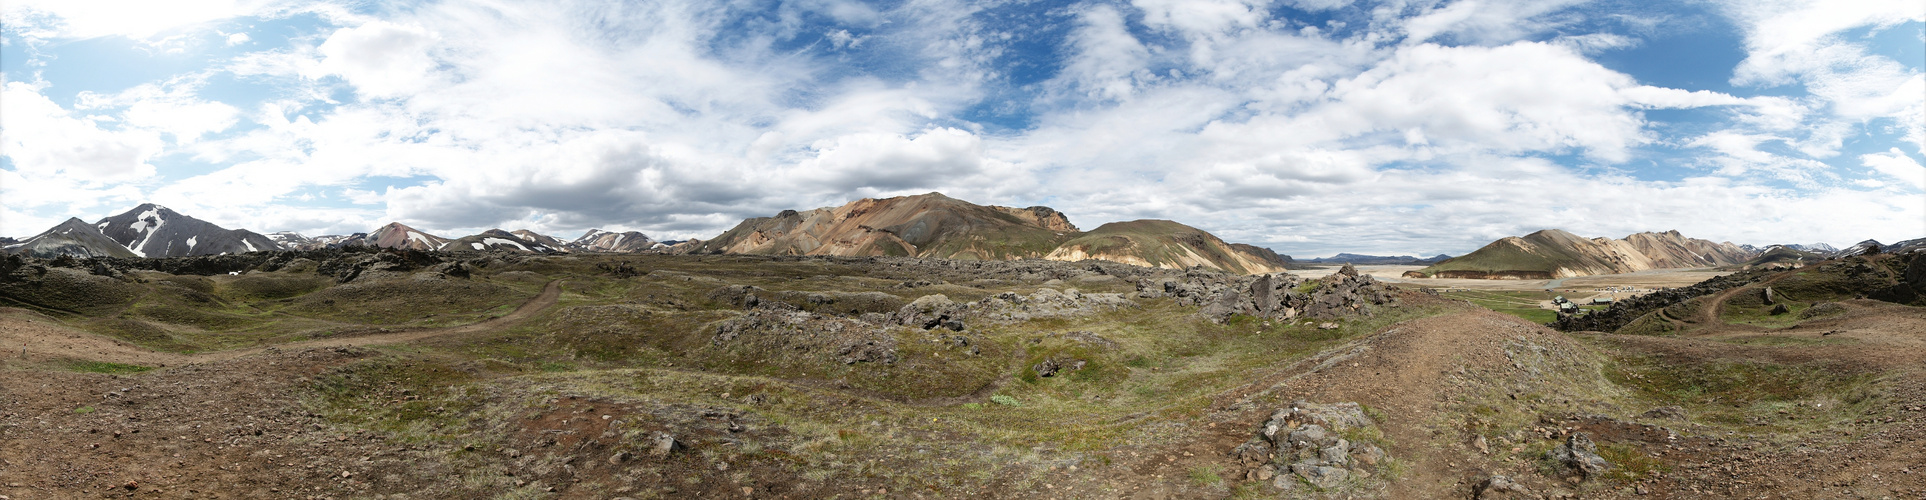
<point>1614,286</point>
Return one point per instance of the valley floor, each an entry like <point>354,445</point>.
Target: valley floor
<point>573,380</point>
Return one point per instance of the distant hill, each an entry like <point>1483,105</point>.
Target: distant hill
<point>398,235</point>
<point>74,237</point>
<point>1554,253</point>
<point>1166,244</point>
<point>1377,260</point>
<point>596,240</point>
<point>540,239</point>
<point>496,239</point>
<point>156,231</point>
<point>1784,256</point>
<point>936,226</point>
<point>927,225</point>
<point>1865,247</point>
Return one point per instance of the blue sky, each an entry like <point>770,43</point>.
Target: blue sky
<point>1309,126</point>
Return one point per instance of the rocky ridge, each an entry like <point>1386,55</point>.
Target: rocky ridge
<point>1553,253</point>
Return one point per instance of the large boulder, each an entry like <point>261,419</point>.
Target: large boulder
<point>1578,455</point>
<point>1306,444</point>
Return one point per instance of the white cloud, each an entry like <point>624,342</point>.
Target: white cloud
<point>1428,127</point>
<point>1894,163</point>
<point>1108,61</point>
<point>45,140</point>
<point>1525,96</point>
<point>381,59</point>
<point>1801,42</point>
<point>1485,21</point>
<point>891,162</point>
<point>136,19</point>
<point>172,108</point>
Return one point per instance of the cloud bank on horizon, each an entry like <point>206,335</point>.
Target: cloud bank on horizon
<point>1309,126</point>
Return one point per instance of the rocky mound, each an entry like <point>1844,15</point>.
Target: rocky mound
<point>73,238</point>
<point>1345,293</point>
<point>1305,446</point>
<point>772,329</point>
<point>1553,253</point>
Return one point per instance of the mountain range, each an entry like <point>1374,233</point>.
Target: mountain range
<point>1377,260</point>
<point>936,226</point>
<point>1554,253</point>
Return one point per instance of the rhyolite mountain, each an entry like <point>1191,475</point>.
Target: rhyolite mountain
<point>936,226</point>
<point>1377,260</point>
<point>398,235</point>
<point>496,239</point>
<point>596,240</point>
<point>292,240</point>
<point>550,242</point>
<point>74,237</point>
<point>156,231</point>
<point>928,225</point>
<point>1165,244</point>
<point>1554,253</point>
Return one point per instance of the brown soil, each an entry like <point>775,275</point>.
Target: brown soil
<point>227,424</point>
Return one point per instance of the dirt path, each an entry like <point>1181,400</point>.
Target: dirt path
<point>29,335</point>
<point>1709,314</point>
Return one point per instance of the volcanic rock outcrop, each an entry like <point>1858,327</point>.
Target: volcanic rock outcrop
<point>1305,445</point>
<point>1345,293</point>
<point>1554,253</point>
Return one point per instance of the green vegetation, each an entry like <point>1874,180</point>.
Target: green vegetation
<point>104,367</point>
<point>1523,304</point>
<point>1752,396</point>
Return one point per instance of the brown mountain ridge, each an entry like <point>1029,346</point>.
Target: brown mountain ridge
<point>1554,253</point>
<point>936,226</point>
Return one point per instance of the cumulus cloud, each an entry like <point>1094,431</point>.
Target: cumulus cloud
<point>1895,164</point>
<point>380,58</point>
<point>1523,96</point>
<point>1108,61</point>
<point>45,19</point>
<point>46,140</point>
<point>1802,42</point>
<point>1395,127</point>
